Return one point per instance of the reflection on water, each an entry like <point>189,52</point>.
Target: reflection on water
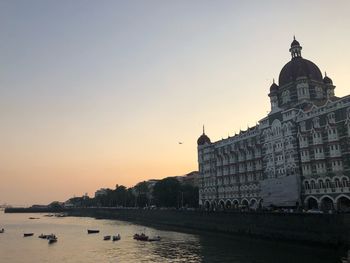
<point>75,245</point>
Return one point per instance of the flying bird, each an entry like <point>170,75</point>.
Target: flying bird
<point>180,142</point>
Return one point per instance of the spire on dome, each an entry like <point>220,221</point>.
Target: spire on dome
<point>327,80</point>
<point>295,48</point>
<point>203,139</point>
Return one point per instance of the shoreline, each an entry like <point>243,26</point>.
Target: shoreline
<point>309,229</point>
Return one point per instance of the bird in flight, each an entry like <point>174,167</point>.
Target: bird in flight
<point>180,142</point>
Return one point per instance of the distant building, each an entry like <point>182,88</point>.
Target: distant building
<point>299,154</point>
<point>101,192</point>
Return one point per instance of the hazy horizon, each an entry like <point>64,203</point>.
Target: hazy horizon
<point>95,94</point>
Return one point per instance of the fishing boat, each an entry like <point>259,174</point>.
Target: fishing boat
<point>116,238</point>
<point>93,231</point>
<point>141,237</point>
<point>107,238</point>
<point>43,236</point>
<point>28,234</point>
<point>52,239</point>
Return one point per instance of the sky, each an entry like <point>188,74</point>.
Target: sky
<point>99,93</point>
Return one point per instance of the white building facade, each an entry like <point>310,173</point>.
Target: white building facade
<point>298,155</point>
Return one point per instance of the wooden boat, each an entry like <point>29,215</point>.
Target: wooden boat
<point>93,231</point>
<point>107,238</point>
<point>157,238</point>
<point>116,238</point>
<point>28,234</point>
<point>52,239</point>
<point>43,236</point>
<point>2,230</point>
<point>34,218</point>
<point>141,237</point>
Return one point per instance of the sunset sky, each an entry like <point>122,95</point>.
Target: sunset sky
<point>99,93</point>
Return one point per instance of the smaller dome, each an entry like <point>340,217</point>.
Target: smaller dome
<point>295,43</point>
<point>203,139</point>
<point>273,88</point>
<point>327,80</point>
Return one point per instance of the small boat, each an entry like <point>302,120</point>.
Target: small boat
<point>141,237</point>
<point>93,231</point>
<point>43,236</point>
<point>116,238</point>
<point>52,239</point>
<point>107,238</point>
<point>34,218</point>
<point>2,230</point>
<point>157,238</point>
<point>50,236</point>
<point>28,234</point>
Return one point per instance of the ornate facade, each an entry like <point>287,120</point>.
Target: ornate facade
<point>298,155</point>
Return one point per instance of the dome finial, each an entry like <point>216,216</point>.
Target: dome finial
<point>203,129</point>
<point>325,73</point>
<point>295,48</point>
<point>273,81</point>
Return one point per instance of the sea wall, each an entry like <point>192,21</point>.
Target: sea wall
<point>326,229</point>
<point>34,210</point>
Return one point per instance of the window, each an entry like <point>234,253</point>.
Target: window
<point>313,185</point>
<point>319,92</point>
<point>337,183</point>
<point>331,117</point>
<point>285,96</point>
<point>321,184</point>
<point>316,122</point>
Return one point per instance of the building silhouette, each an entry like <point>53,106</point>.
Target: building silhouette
<point>298,155</point>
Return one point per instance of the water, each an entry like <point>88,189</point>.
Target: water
<point>75,245</point>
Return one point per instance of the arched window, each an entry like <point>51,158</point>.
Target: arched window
<point>321,184</point>
<point>316,122</point>
<point>328,183</point>
<point>331,117</point>
<point>285,96</point>
<point>307,186</point>
<point>337,183</point>
<point>345,182</point>
<point>313,184</point>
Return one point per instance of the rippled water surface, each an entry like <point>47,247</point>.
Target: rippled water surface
<point>75,245</point>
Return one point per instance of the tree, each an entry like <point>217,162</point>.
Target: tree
<point>189,195</point>
<point>142,194</point>
<point>166,192</point>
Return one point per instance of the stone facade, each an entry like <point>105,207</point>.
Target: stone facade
<point>299,154</point>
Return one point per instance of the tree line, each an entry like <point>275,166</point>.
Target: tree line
<point>168,192</point>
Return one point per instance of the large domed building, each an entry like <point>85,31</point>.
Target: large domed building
<point>297,156</point>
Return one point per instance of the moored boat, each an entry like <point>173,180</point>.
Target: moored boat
<point>107,238</point>
<point>52,239</point>
<point>43,236</point>
<point>28,234</point>
<point>141,237</point>
<point>93,231</point>
<point>2,230</point>
<point>116,238</point>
